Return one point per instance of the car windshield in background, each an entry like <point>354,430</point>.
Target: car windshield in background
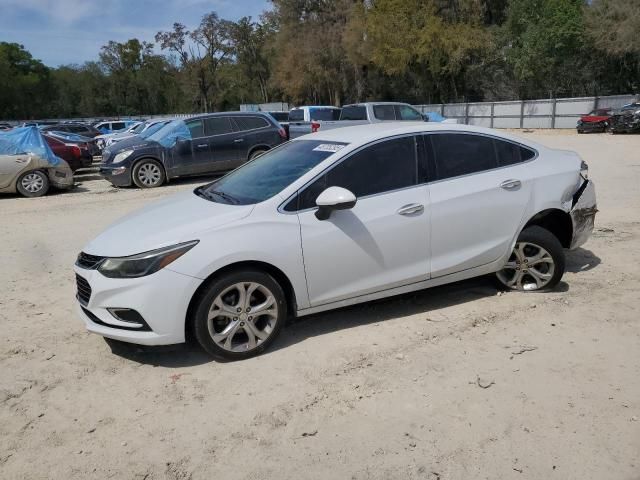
<point>324,113</point>
<point>152,129</point>
<point>138,128</point>
<point>167,130</point>
<point>269,173</point>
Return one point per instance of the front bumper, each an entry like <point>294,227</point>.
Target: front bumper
<point>162,299</point>
<point>119,176</point>
<point>583,213</point>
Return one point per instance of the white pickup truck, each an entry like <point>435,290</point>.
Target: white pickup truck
<point>355,114</point>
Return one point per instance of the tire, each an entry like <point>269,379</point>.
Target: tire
<point>256,153</point>
<point>148,174</point>
<point>233,334</point>
<point>539,245</point>
<point>33,184</point>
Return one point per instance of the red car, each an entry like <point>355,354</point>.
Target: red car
<point>595,121</point>
<point>77,155</point>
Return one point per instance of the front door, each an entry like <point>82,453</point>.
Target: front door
<point>383,241</point>
<point>478,199</point>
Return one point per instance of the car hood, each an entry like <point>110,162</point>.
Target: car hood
<point>178,218</point>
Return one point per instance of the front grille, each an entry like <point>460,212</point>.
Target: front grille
<point>84,290</point>
<point>89,262</point>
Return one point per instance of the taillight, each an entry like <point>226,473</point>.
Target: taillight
<point>283,133</point>
<point>76,151</point>
<point>315,126</point>
<point>584,170</point>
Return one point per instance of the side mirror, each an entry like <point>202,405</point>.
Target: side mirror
<point>334,198</point>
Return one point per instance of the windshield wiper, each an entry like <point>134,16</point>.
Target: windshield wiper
<point>226,196</point>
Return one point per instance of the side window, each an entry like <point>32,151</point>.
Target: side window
<point>354,113</point>
<point>296,115</point>
<point>380,168</point>
<point>461,154</point>
<point>511,153</point>
<point>196,128</point>
<point>117,125</point>
<point>384,112</point>
<point>215,126</point>
<point>405,112</point>
<point>250,123</point>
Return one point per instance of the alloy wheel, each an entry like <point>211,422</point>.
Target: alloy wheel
<point>530,267</point>
<point>32,182</point>
<point>242,316</point>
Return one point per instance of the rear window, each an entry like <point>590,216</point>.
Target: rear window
<point>354,113</point>
<point>384,112</point>
<point>324,113</point>
<point>296,115</point>
<point>250,123</point>
<point>280,116</point>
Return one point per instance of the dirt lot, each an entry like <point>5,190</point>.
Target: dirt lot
<point>456,382</point>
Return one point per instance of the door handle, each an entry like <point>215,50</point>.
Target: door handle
<point>411,209</point>
<point>511,184</point>
<point>21,160</point>
<point>238,140</point>
<point>202,145</point>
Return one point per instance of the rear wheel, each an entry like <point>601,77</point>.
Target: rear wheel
<point>536,263</point>
<point>148,174</point>
<point>33,184</point>
<point>240,314</point>
<point>256,153</point>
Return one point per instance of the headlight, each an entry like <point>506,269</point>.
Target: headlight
<point>122,156</point>
<point>145,263</point>
<point>584,170</point>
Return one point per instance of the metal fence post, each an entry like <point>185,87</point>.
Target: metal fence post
<point>466,114</point>
<point>553,113</point>
<point>596,100</point>
<point>492,108</point>
<point>521,113</point>
<point>442,109</point>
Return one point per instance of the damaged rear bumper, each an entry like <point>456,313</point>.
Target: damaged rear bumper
<point>583,213</point>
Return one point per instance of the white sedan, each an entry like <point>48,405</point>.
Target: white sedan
<point>333,219</point>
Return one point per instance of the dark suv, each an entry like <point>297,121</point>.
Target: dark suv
<point>77,128</point>
<point>203,144</point>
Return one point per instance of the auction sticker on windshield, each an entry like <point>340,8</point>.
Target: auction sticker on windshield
<point>328,147</point>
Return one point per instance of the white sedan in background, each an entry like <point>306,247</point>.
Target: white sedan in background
<point>333,219</point>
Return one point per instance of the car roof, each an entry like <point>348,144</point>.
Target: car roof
<point>364,104</point>
<point>361,134</point>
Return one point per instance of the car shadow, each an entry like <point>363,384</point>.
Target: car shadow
<point>191,354</point>
<point>581,260</point>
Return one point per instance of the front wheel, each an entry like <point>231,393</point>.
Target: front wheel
<point>536,263</point>
<point>238,315</point>
<point>148,174</point>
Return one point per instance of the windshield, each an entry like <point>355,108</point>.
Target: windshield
<point>269,173</point>
<point>169,134</point>
<point>152,129</point>
<point>138,128</point>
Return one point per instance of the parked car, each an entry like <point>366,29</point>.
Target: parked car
<point>283,119</point>
<point>305,120</point>
<point>199,145</point>
<point>114,126</point>
<point>5,126</point>
<point>143,129</point>
<point>631,106</point>
<point>334,219</point>
<point>76,128</point>
<point>75,154</point>
<point>84,142</point>
<point>28,166</point>
<point>359,114</point>
<point>595,121</point>
<point>625,121</point>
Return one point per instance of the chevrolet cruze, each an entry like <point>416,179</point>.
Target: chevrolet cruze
<point>333,219</point>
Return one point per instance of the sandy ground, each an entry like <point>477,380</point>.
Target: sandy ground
<point>387,390</point>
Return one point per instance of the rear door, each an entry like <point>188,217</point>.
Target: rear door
<point>478,199</point>
<point>251,131</point>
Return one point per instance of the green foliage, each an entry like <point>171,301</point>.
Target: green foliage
<point>339,51</point>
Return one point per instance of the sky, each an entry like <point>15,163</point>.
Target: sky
<point>61,32</point>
